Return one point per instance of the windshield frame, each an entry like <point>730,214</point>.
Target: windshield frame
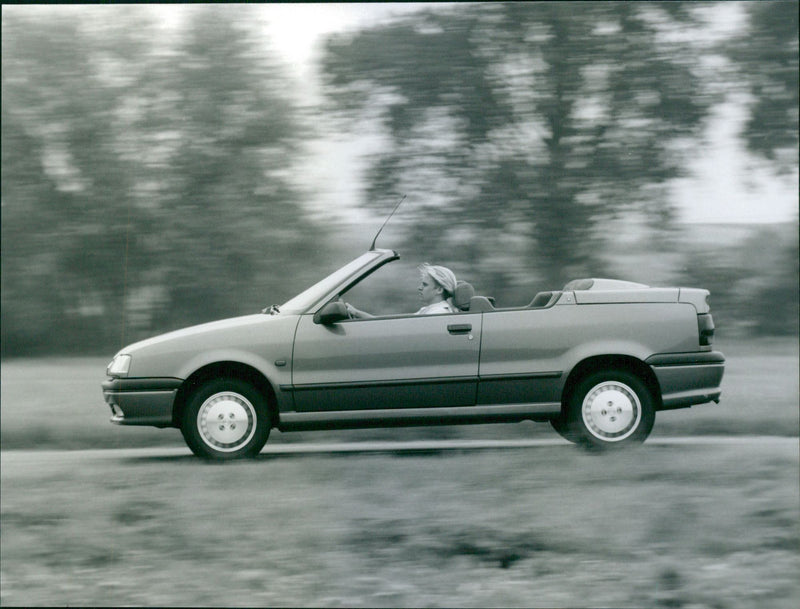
<point>341,279</point>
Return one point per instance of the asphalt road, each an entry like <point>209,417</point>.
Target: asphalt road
<point>13,457</point>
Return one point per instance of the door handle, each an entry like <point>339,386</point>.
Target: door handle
<point>459,328</point>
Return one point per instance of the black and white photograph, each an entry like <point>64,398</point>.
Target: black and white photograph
<point>400,304</point>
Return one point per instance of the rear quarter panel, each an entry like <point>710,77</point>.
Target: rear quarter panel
<point>555,340</point>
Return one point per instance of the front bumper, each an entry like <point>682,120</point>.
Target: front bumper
<point>688,378</point>
<point>141,401</point>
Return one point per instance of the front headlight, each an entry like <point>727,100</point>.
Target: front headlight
<point>119,366</point>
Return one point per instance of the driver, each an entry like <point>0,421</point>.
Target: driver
<point>437,285</point>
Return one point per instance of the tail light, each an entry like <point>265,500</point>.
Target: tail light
<point>705,327</point>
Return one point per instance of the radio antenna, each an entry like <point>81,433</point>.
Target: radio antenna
<point>372,247</point>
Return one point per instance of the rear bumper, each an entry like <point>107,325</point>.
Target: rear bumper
<point>143,401</point>
<point>687,379</point>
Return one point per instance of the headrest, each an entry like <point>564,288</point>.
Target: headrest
<point>461,297</point>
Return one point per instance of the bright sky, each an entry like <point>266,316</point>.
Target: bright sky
<point>728,185</point>
<point>295,29</point>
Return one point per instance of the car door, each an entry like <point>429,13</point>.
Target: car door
<point>395,362</point>
<point>522,354</point>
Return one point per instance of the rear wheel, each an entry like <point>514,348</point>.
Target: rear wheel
<point>226,419</point>
<point>562,426</point>
<point>610,409</point>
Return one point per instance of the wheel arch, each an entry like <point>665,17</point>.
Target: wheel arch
<point>225,369</point>
<point>599,363</point>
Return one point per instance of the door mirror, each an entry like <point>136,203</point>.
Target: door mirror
<point>331,313</point>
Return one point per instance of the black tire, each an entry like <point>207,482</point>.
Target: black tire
<point>226,419</point>
<point>564,429</point>
<point>610,409</point>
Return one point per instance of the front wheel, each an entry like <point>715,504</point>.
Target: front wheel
<point>611,409</point>
<point>226,419</point>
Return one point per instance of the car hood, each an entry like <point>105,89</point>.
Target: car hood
<point>212,327</point>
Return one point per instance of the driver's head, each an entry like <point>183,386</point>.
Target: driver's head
<point>436,283</point>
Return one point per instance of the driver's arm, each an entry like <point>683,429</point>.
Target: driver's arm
<point>357,313</point>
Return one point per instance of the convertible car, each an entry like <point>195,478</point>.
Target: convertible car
<point>596,359</point>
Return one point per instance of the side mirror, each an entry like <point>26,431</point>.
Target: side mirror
<point>331,313</point>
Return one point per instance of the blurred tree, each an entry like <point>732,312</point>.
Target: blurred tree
<point>766,56</point>
<point>219,135</point>
<point>26,295</point>
<point>759,284</point>
<point>525,125</point>
<point>776,307</point>
<point>145,178</point>
<point>754,280</point>
<point>64,190</point>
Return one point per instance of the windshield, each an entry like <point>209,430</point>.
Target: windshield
<point>304,300</point>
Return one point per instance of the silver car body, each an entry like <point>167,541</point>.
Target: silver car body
<point>482,364</point>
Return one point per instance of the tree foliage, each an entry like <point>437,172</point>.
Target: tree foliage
<point>147,173</point>
<point>144,178</point>
<point>766,58</point>
<point>533,121</point>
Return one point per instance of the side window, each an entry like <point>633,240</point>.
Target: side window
<point>391,290</point>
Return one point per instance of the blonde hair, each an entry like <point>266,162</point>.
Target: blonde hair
<point>443,276</point>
